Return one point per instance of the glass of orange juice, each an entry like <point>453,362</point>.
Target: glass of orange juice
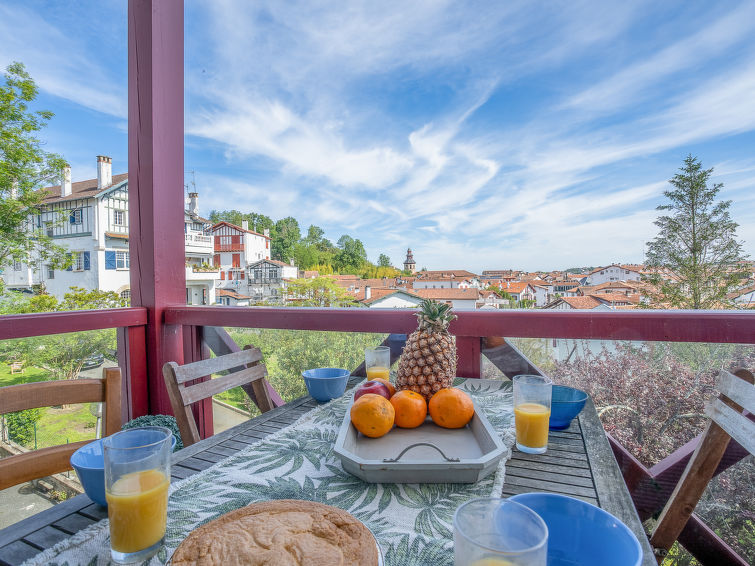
<point>499,532</point>
<point>378,362</point>
<point>137,477</point>
<point>532,411</point>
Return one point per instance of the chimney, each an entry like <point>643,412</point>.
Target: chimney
<point>267,232</point>
<point>367,292</point>
<point>245,224</point>
<point>291,261</point>
<point>65,182</point>
<point>104,172</point>
<point>193,206</point>
<point>14,189</point>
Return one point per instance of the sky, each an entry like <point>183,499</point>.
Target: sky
<point>483,135</point>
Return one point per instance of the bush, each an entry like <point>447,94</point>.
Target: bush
<point>21,425</point>
<point>167,421</point>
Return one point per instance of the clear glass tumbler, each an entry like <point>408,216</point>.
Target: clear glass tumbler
<point>532,411</point>
<point>137,477</point>
<point>377,361</point>
<point>498,532</point>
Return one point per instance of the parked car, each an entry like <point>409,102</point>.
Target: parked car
<point>93,361</point>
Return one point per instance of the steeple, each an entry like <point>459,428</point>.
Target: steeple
<point>409,264</point>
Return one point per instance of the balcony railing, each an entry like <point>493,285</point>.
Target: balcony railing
<point>229,247</point>
<point>187,324</point>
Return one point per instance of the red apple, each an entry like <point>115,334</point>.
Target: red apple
<point>372,387</point>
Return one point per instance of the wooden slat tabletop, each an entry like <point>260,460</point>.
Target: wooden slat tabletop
<point>579,462</point>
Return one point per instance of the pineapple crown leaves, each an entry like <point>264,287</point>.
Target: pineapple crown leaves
<point>434,316</point>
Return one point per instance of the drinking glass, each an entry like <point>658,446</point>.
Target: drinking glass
<point>378,362</point>
<point>137,477</point>
<point>494,531</point>
<point>532,411</point>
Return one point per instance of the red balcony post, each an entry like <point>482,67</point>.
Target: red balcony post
<point>156,165</point>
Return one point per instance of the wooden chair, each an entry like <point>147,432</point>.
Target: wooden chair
<point>41,463</point>
<point>736,392</point>
<point>248,372</point>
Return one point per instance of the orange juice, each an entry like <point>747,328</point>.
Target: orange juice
<point>377,371</point>
<point>137,506</point>
<point>532,424</point>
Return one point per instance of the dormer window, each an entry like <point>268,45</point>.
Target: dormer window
<point>118,217</point>
<point>76,216</point>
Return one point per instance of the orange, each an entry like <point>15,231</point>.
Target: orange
<point>372,415</point>
<point>411,408</point>
<point>388,384</point>
<point>451,408</point>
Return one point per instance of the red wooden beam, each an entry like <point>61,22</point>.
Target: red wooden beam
<point>42,324</point>
<point>654,325</point>
<point>341,320</point>
<point>156,166</point>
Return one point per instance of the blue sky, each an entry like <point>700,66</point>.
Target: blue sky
<point>484,135</point>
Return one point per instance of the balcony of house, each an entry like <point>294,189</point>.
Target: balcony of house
<point>202,272</point>
<point>198,243</point>
<point>229,247</point>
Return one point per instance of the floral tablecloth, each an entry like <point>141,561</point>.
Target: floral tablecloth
<point>412,522</point>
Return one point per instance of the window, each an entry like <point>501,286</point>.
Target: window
<point>121,260</point>
<point>126,294</point>
<point>216,260</point>
<point>118,217</point>
<point>48,229</point>
<point>76,216</point>
<point>236,260</point>
<point>50,272</point>
<point>78,261</point>
<point>16,266</point>
<point>225,240</point>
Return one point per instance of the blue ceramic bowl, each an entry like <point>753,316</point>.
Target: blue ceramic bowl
<point>580,533</point>
<point>566,403</point>
<point>89,463</point>
<point>325,384</point>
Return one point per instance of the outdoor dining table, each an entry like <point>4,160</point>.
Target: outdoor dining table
<point>579,462</point>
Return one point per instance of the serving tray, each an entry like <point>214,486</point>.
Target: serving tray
<point>426,454</point>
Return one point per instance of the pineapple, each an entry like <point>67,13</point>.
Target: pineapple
<point>428,361</point>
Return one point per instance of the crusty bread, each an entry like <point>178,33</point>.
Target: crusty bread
<point>284,532</point>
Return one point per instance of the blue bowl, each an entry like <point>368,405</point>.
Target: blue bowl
<point>325,384</point>
<point>580,533</point>
<point>566,403</point>
<point>89,463</point>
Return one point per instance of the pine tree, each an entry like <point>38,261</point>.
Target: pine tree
<point>695,254</point>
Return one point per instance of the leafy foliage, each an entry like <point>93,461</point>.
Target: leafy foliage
<point>61,354</point>
<point>24,169</point>
<point>167,421</point>
<point>318,292</point>
<point>696,243</point>
<point>21,425</point>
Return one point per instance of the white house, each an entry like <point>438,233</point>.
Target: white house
<point>613,272</point>
<point>437,283</point>
<point>398,299</point>
<point>266,279</point>
<point>744,298</point>
<point>543,294</point>
<point>90,219</point>
<point>235,249</point>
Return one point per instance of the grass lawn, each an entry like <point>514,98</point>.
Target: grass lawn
<point>60,426</point>
<point>28,375</point>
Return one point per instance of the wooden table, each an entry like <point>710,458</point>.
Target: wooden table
<point>579,462</point>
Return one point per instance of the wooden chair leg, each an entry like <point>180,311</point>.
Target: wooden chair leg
<point>690,488</point>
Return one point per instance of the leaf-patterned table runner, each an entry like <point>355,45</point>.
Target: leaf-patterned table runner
<point>412,522</point>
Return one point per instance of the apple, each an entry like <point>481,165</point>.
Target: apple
<point>372,387</point>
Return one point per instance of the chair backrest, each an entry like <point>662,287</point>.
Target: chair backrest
<point>736,394</point>
<point>43,462</point>
<point>246,370</point>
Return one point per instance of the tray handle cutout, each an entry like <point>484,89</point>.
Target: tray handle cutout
<point>405,450</point>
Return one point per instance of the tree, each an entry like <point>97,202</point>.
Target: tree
<point>285,236</point>
<point>318,292</point>
<point>351,255</point>
<point>63,355</point>
<point>695,255</point>
<point>384,261</point>
<point>25,168</point>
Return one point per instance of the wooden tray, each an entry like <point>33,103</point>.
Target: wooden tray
<point>426,454</point>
